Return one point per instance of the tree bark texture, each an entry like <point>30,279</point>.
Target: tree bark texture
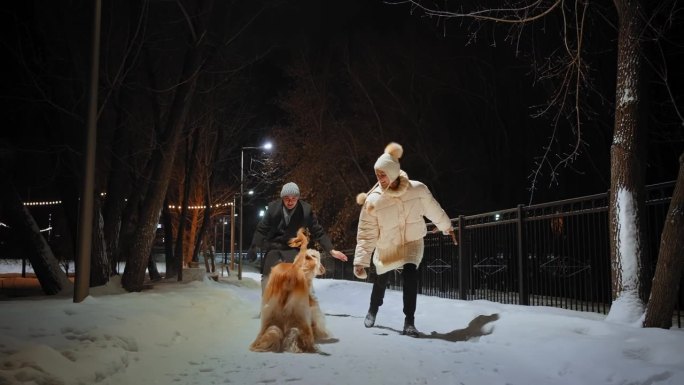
<point>52,278</point>
<point>131,216</point>
<point>201,242</point>
<point>117,191</point>
<point>162,161</point>
<point>670,266</point>
<point>190,161</point>
<point>152,269</point>
<point>203,227</point>
<point>172,262</point>
<point>627,154</point>
<point>100,268</point>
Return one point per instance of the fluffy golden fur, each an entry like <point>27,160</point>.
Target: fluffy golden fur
<point>291,320</point>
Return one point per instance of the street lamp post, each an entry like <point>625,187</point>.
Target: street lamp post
<point>266,146</point>
<point>215,241</point>
<point>223,239</point>
<point>232,234</point>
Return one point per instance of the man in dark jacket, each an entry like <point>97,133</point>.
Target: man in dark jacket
<point>281,222</point>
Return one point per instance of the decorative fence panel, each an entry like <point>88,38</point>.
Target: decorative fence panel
<point>552,254</point>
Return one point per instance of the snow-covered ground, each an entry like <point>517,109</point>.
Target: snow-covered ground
<point>199,333</point>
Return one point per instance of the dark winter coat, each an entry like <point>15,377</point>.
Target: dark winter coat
<point>272,233</point>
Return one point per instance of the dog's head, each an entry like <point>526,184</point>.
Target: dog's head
<point>310,263</point>
<point>309,260</point>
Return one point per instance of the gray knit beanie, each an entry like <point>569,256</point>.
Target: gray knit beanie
<point>290,189</point>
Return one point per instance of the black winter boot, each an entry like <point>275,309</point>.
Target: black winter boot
<point>370,318</point>
<point>410,330</point>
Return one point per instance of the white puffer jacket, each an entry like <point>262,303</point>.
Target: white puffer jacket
<point>392,227</point>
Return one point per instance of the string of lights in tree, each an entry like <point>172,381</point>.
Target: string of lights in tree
<point>43,203</point>
<point>201,207</point>
<point>173,207</point>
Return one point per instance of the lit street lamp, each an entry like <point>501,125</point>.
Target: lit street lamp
<point>266,146</point>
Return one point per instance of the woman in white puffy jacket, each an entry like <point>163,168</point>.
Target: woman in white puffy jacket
<point>391,230</point>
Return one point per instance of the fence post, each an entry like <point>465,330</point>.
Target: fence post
<point>463,278</point>
<point>523,289</point>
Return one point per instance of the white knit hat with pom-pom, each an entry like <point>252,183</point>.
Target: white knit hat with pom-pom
<point>388,163</point>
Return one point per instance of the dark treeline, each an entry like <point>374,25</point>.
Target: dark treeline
<point>184,85</point>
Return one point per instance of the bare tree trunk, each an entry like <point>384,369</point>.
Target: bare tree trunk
<point>162,162</point>
<point>190,161</point>
<point>163,158</point>
<point>62,247</point>
<point>52,279</point>
<point>130,216</point>
<point>119,178</point>
<point>152,269</point>
<point>193,227</point>
<point>100,269</point>
<point>113,212</point>
<point>627,180</point>
<point>172,262</point>
<point>114,204</point>
<point>211,247</point>
<point>200,234</point>
<point>670,265</point>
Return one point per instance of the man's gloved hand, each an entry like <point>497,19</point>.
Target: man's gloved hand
<point>251,253</point>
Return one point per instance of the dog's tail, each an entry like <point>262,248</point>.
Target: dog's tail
<point>301,240</point>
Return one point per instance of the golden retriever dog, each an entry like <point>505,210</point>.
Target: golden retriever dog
<point>291,320</point>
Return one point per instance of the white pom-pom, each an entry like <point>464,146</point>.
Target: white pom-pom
<point>361,198</point>
<point>395,150</point>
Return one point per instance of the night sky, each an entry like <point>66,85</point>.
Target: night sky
<point>458,95</point>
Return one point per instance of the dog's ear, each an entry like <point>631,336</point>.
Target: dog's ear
<point>306,235</point>
<point>301,240</point>
<point>303,235</point>
<point>317,265</point>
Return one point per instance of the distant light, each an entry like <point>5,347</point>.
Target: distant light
<point>43,203</point>
<point>261,213</point>
<point>201,207</point>
<point>159,226</point>
<point>267,146</point>
<point>497,217</point>
<point>250,192</point>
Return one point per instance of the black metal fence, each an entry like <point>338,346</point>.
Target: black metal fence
<point>552,254</point>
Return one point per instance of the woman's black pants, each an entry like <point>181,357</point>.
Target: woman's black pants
<point>409,275</point>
